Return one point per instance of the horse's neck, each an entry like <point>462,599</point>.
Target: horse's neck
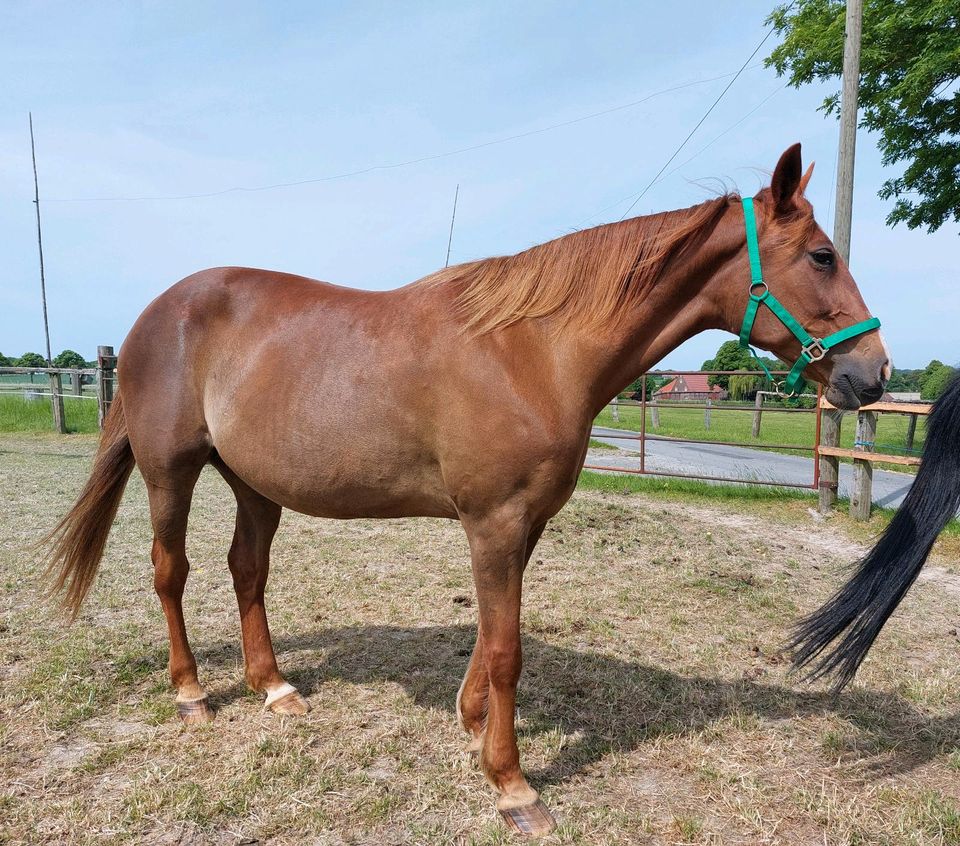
<point>693,294</point>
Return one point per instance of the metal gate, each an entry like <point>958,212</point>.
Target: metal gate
<point>647,405</point>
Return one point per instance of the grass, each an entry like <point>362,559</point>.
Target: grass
<point>654,707</point>
<point>21,415</point>
<point>777,428</point>
<point>595,444</point>
<point>678,489</point>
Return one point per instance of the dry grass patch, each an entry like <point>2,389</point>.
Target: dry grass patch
<point>654,706</point>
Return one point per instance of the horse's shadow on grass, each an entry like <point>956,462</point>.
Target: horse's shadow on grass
<point>609,704</point>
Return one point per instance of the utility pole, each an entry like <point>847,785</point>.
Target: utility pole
<point>56,394</point>
<point>848,128</point>
<point>453,217</point>
<point>831,419</point>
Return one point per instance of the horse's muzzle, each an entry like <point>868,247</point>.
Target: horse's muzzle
<point>853,385</point>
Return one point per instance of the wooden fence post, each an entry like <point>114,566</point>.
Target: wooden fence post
<point>911,430</point>
<point>830,420</point>
<point>758,405</point>
<point>861,497</point>
<point>706,416</point>
<point>106,364</point>
<point>616,409</point>
<point>654,415</point>
<point>76,380</point>
<point>56,403</point>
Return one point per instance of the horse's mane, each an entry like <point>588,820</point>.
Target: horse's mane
<point>585,277</point>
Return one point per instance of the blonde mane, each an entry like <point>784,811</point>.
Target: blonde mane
<point>587,276</point>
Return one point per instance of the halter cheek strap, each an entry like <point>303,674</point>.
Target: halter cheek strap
<point>811,349</point>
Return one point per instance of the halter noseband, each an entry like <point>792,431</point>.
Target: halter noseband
<point>811,349</point>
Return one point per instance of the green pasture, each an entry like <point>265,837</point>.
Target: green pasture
<point>18,414</point>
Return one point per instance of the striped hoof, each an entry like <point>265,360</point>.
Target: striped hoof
<point>529,820</point>
<point>193,712</point>
<point>292,705</point>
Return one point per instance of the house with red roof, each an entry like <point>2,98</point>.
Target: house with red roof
<point>694,388</point>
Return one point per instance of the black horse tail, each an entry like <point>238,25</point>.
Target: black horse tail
<point>858,611</point>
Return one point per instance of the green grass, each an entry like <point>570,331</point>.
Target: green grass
<point>668,488</point>
<point>682,488</point>
<point>21,415</point>
<point>595,444</point>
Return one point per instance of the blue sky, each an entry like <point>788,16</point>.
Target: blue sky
<point>159,99</point>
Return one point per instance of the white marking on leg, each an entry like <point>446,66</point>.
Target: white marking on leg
<point>459,695</point>
<point>181,697</point>
<point>278,693</point>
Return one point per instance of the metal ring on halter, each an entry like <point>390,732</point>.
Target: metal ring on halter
<point>760,284</point>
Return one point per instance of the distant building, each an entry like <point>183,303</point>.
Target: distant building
<point>695,388</point>
<point>901,396</point>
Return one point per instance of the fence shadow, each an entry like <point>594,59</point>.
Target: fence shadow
<point>609,704</point>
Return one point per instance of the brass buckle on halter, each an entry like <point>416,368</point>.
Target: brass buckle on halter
<point>813,351</point>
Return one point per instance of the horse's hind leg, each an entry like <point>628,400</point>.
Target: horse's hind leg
<point>169,505</point>
<point>249,559</point>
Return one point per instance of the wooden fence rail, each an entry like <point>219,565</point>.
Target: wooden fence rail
<point>862,454</point>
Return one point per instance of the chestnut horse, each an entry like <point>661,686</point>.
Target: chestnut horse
<point>478,386</point>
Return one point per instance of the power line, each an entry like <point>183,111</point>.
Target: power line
<point>699,123</point>
<point>703,149</point>
<point>408,162</point>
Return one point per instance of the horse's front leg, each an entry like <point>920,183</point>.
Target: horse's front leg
<point>498,546</point>
<point>474,690</point>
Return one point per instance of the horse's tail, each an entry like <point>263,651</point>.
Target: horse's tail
<point>77,542</point>
<point>861,607</point>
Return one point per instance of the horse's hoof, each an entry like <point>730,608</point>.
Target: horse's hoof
<point>194,712</point>
<point>292,705</point>
<point>529,820</point>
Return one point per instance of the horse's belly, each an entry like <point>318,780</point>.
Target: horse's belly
<point>343,484</point>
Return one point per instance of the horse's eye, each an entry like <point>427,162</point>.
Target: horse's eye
<point>823,258</point>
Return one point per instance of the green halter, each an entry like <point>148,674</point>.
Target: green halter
<point>811,349</point>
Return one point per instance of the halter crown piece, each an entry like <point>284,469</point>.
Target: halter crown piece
<point>811,349</point>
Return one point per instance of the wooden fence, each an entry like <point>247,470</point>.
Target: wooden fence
<point>862,454</point>
<point>104,376</point>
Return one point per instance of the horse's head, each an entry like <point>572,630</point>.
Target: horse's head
<point>805,275</point>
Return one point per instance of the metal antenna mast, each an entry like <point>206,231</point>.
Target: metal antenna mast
<point>453,217</point>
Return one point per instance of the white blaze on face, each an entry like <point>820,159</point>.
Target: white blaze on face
<point>887,370</point>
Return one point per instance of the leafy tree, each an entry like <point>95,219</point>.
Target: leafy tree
<point>937,382</point>
<point>927,372</point>
<point>904,381</point>
<point>909,66</point>
<point>654,383</point>
<point>744,387</point>
<point>732,357</point>
<point>5,361</point>
<point>31,359</point>
<point>69,358</point>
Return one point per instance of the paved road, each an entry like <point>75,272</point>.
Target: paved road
<point>889,488</point>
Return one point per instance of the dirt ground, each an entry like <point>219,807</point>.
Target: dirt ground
<point>655,705</point>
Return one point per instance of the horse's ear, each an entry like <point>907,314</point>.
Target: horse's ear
<point>786,180</point>
<point>806,178</point>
